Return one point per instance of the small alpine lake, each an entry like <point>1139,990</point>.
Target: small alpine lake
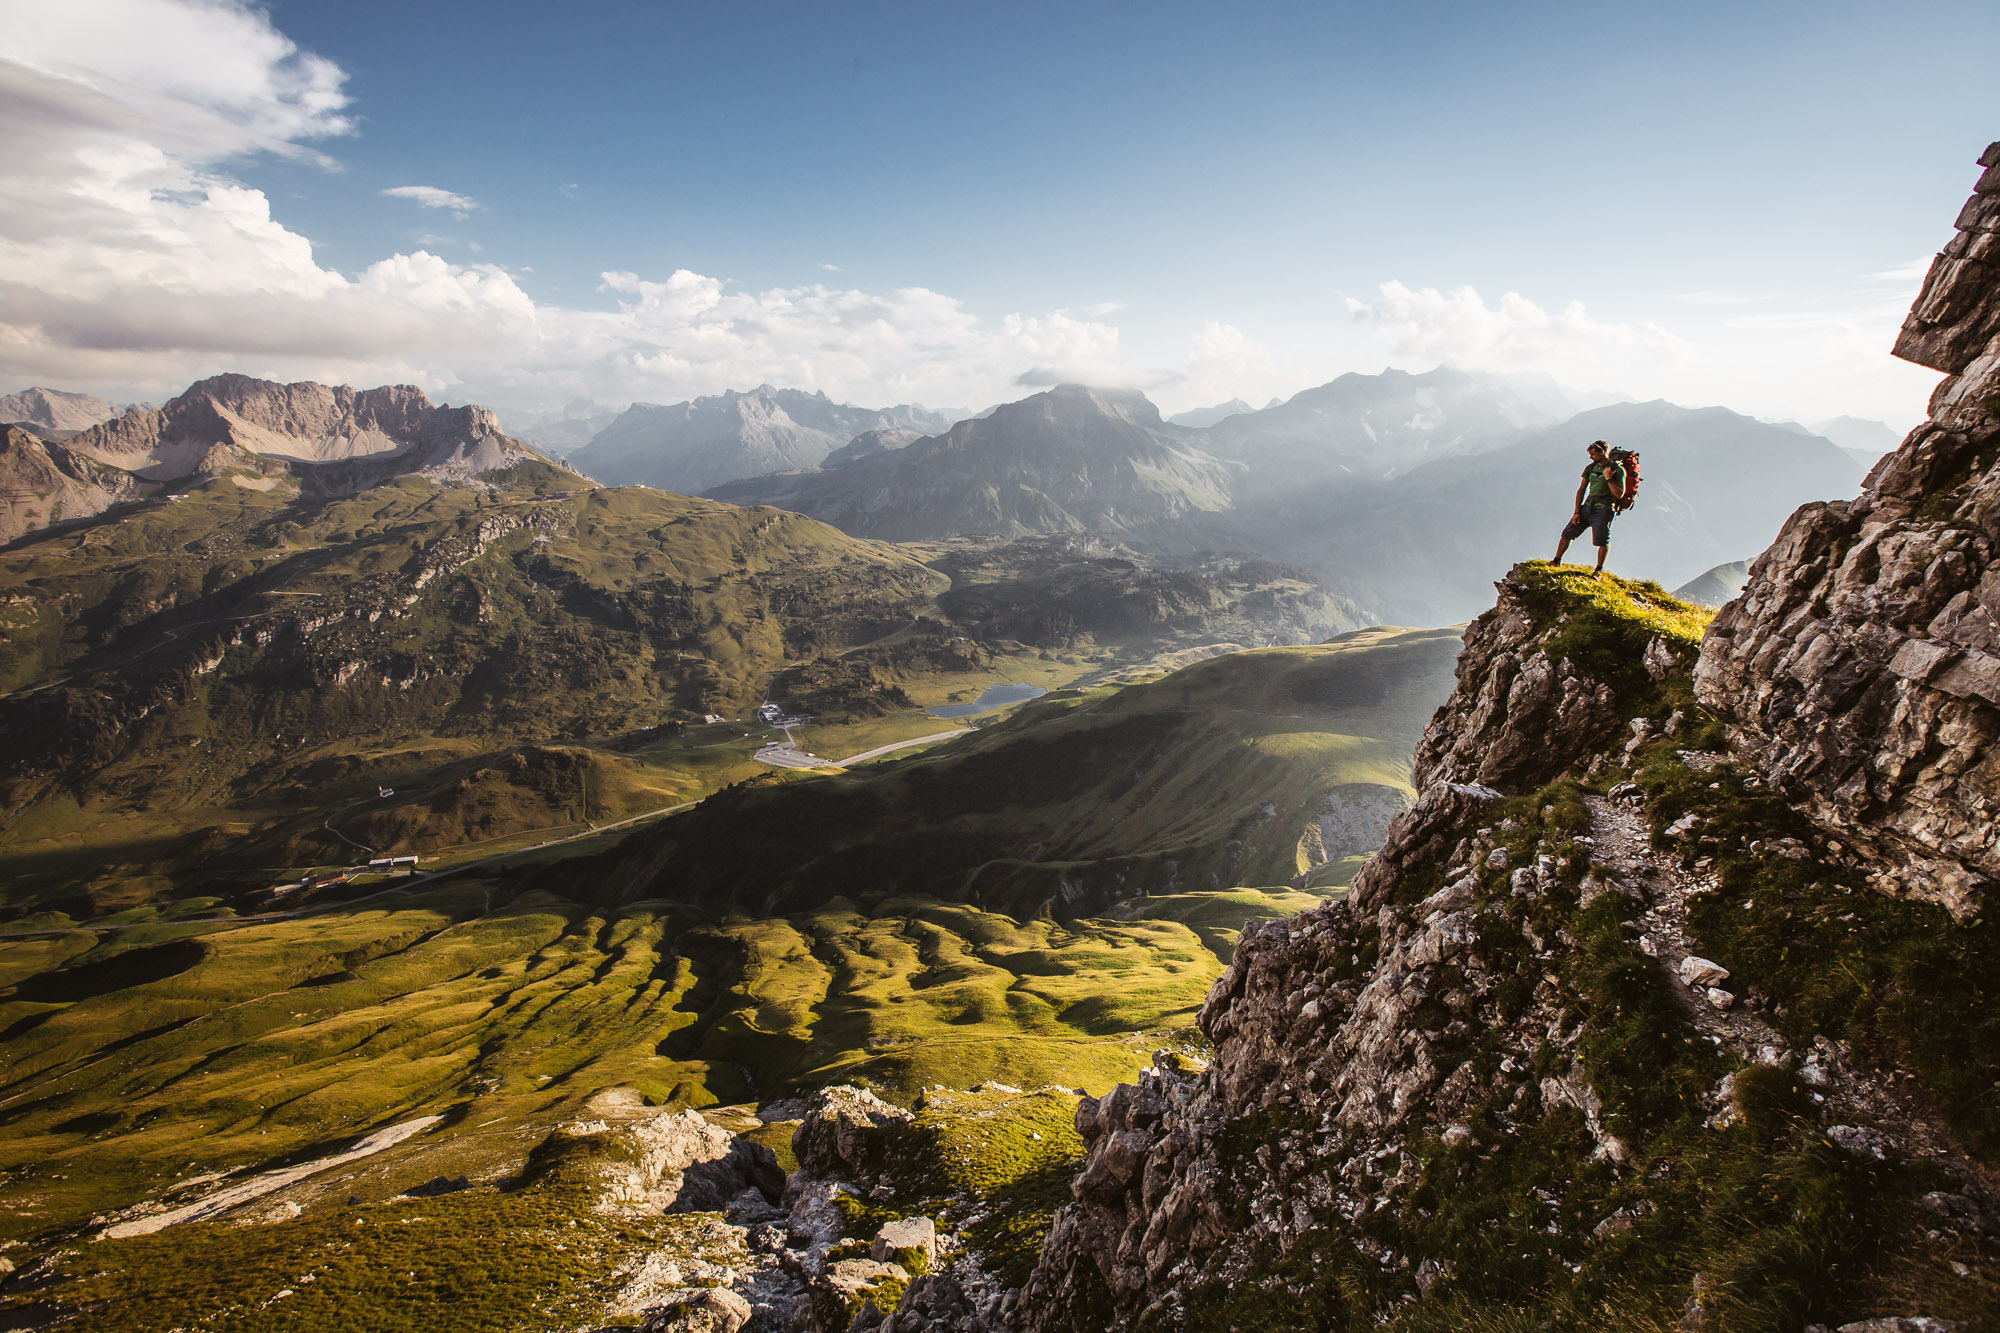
<point>990,698</point>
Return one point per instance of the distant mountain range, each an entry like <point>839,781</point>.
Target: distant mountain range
<point>1203,417</point>
<point>329,440</point>
<point>696,445</point>
<point>1407,492</point>
<point>1717,586</point>
<point>1411,493</point>
<point>1382,425</point>
<point>55,410</point>
<point>1073,459</point>
<point>1429,544</point>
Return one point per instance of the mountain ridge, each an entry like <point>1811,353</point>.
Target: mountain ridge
<point>706,442</point>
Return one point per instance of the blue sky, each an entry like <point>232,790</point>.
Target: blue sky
<point>954,203</point>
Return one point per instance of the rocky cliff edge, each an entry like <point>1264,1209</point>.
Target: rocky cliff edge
<point>1656,1010</point>
<point>1859,670</point>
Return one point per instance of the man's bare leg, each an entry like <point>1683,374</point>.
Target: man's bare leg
<point>1562,546</point>
<point>1602,551</point>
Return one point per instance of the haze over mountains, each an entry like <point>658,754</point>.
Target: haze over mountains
<point>695,445</point>
<point>1414,492</point>
<point>1408,492</point>
<point>55,410</point>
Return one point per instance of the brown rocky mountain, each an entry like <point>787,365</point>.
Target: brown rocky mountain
<point>44,483</point>
<point>1655,1011</point>
<point>55,410</point>
<point>328,440</point>
<point>234,418</point>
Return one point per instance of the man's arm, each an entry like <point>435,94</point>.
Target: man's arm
<point>1576,510</point>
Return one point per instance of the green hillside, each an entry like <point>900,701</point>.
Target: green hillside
<point>208,693</point>
<point>1213,776</point>
<point>139,1057</point>
<point>208,678</point>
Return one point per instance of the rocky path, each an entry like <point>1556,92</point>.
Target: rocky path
<point>1888,1115</point>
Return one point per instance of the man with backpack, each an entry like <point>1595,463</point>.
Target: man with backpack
<point>1610,480</point>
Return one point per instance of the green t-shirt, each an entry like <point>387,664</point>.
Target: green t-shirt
<point>1607,483</point>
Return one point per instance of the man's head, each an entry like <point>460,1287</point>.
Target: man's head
<point>1597,450</point>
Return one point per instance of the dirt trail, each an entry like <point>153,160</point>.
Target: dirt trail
<point>1621,841</point>
<point>266,1182</point>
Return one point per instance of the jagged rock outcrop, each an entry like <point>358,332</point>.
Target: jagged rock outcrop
<point>235,419</point>
<point>1478,1084</point>
<point>679,1162</point>
<point>836,1135</point>
<point>1518,716</point>
<point>1339,1032</point>
<point>1860,668</point>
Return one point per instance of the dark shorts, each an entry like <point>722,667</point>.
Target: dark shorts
<point>1598,519</point>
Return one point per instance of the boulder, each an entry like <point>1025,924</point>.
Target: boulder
<point>911,1242</point>
<point>844,1288</point>
<point>840,1133</point>
<point>707,1310</point>
<point>1697,972</point>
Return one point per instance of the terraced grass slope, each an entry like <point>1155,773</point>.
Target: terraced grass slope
<point>1242,769</point>
<point>208,674</point>
<point>133,1060</point>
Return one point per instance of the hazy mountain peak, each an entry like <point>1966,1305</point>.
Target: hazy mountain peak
<point>1201,418</point>
<point>55,409</point>
<point>704,442</point>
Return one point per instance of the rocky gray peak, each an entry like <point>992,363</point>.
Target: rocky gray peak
<point>872,442</point>
<point>1517,717</point>
<point>55,409</point>
<point>1860,667</point>
<point>1072,459</point>
<point>706,442</point>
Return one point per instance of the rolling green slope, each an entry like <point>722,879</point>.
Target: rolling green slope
<point>205,679</point>
<point>1210,777</point>
<point>136,1058</point>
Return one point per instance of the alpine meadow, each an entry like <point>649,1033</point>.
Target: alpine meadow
<point>1417,750</point>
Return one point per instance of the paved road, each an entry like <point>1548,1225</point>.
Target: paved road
<point>881,750</point>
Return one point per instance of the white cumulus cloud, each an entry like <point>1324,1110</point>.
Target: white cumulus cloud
<point>1461,329</point>
<point>130,259</point>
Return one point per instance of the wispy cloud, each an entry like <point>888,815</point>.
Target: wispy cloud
<point>830,268</point>
<point>1714,298</point>
<point>430,196</point>
<point>1905,273</point>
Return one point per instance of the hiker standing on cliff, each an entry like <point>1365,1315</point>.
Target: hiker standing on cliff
<point>1598,498</point>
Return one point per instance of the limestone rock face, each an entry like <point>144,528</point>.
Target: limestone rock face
<point>1860,667</point>
<point>682,1163</point>
<point>330,440</point>
<point>710,1310</point>
<point>834,1140</point>
<point>246,419</point>
<point>56,410</point>
<point>1518,716</point>
<point>1319,1056</point>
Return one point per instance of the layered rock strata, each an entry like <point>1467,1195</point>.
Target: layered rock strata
<point>1860,668</point>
